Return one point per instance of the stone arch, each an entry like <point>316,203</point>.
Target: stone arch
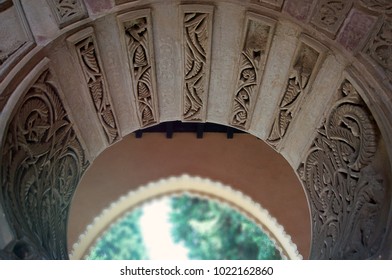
<point>283,80</point>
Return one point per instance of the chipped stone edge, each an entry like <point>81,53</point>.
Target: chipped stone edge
<point>195,186</point>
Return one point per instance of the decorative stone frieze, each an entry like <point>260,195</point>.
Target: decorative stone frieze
<point>196,21</point>
<point>379,49</point>
<point>42,162</point>
<point>85,46</point>
<point>137,32</point>
<point>345,193</point>
<point>308,57</point>
<point>67,11</point>
<point>257,39</point>
<point>330,14</point>
<point>382,6</point>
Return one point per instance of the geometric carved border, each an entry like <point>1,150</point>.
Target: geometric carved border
<point>196,21</point>
<point>136,31</point>
<point>83,45</point>
<point>304,68</point>
<point>345,193</point>
<point>42,162</point>
<point>257,38</point>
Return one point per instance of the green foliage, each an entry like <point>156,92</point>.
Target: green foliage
<point>214,231</point>
<point>122,241</point>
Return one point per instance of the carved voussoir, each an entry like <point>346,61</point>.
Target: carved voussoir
<point>345,193</point>
<point>196,21</point>
<point>379,50</point>
<point>136,29</point>
<point>304,68</point>
<point>329,15</point>
<point>67,11</point>
<point>257,39</point>
<point>42,162</point>
<point>84,46</point>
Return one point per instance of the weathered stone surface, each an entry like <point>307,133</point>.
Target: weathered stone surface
<point>353,33</point>
<point>299,9</point>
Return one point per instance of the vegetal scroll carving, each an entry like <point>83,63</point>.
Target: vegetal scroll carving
<point>297,86</point>
<point>252,62</point>
<point>345,194</point>
<point>67,11</point>
<point>379,49</point>
<point>42,162</point>
<point>330,14</point>
<point>142,68</point>
<point>96,82</point>
<point>197,37</point>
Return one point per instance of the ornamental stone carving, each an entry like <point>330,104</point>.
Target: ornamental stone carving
<point>330,14</point>
<point>139,48</point>
<point>382,6</point>
<point>42,162</point>
<point>346,195</point>
<point>302,74</point>
<point>86,50</point>
<point>256,44</point>
<point>67,11</point>
<point>379,49</point>
<point>197,34</point>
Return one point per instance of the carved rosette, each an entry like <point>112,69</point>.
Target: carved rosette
<point>256,45</point>
<point>42,163</point>
<point>197,34</point>
<point>94,77</point>
<point>302,73</point>
<point>329,15</point>
<point>379,49</point>
<point>67,11</point>
<point>382,6</point>
<point>139,46</point>
<point>345,194</point>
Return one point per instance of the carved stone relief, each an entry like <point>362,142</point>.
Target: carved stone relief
<point>345,194</point>
<point>299,83</point>
<point>197,34</point>
<point>139,46</point>
<point>95,79</point>
<point>253,57</point>
<point>379,49</point>
<point>330,14</point>
<point>42,162</point>
<point>67,11</point>
<point>382,6</point>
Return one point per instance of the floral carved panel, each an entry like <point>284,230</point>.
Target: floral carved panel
<point>345,193</point>
<point>305,66</point>
<point>42,162</point>
<point>137,30</point>
<point>67,11</point>
<point>197,34</point>
<point>88,56</point>
<point>330,14</point>
<point>379,49</point>
<point>256,44</point>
